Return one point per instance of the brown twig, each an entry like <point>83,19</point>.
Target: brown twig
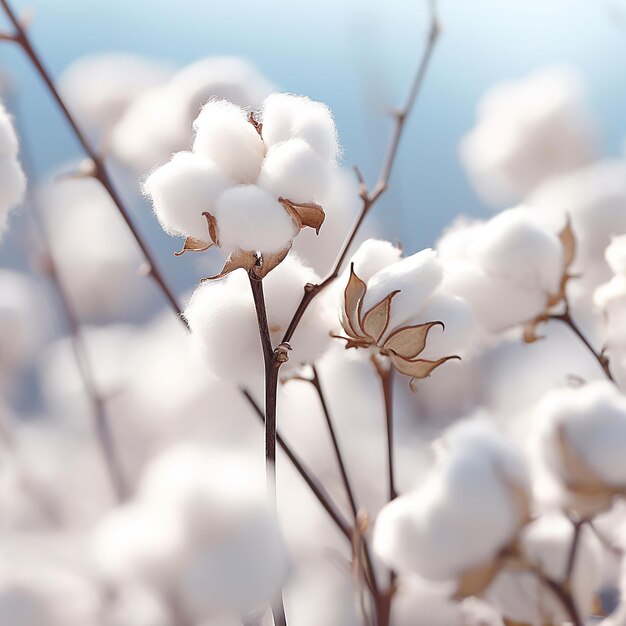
<point>573,550</point>
<point>385,374</point>
<point>100,171</point>
<point>369,198</point>
<point>316,488</point>
<point>600,357</point>
<point>561,593</point>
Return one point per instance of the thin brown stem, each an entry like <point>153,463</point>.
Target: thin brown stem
<point>600,357</point>
<point>100,171</point>
<point>386,380</point>
<point>561,593</point>
<point>573,550</point>
<point>313,484</point>
<point>369,198</point>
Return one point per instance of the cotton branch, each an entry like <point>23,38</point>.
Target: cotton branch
<point>369,198</point>
<point>98,168</point>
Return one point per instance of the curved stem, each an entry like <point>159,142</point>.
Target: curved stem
<point>100,171</point>
<point>369,198</point>
<point>561,594</point>
<point>602,360</point>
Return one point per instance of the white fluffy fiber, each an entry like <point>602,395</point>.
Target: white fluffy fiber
<point>184,188</point>
<point>464,513</point>
<point>158,122</point>
<point>592,420</point>
<point>224,327</point>
<point>95,254</point>
<point>12,179</point>
<point>506,268</point>
<point>238,177</point>
<point>99,88</point>
<point>527,131</point>
<point>613,292</point>
<point>200,529</point>
<point>546,543</point>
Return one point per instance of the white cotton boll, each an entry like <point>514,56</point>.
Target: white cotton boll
<point>251,219</point>
<point>588,423</point>
<point>471,506</point>
<point>181,190</point>
<point>224,324</point>
<point>615,255</point>
<point>286,116</point>
<point>13,185</point>
<point>293,170</point>
<point>416,276</point>
<point>546,542</point>
<point>95,254</point>
<point>143,139</point>
<point>373,256</point>
<point>99,88</point>
<point>138,543</point>
<point>515,246</point>
<point>224,134</point>
<point>8,138</point>
<point>526,132</point>
<point>458,319</point>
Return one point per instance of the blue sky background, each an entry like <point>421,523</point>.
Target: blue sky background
<point>358,56</point>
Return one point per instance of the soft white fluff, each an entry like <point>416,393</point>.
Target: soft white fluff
<point>224,134</point>
<point>184,188</point>
<point>95,254</point>
<point>464,514</point>
<point>12,178</point>
<point>292,169</point>
<point>199,528</point>
<point>506,268</point>
<point>99,88</point>
<point>224,327</point>
<point>158,122</point>
<point>520,595</point>
<point>526,132</point>
<point>285,116</point>
<point>592,421</point>
<point>374,255</point>
<point>250,218</point>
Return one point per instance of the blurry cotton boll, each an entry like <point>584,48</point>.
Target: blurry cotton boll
<point>199,530</point>
<point>399,310</point>
<point>254,197</point>
<point>37,592</point>
<point>508,269</point>
<point>580,434</point>
<point>96,256</point>
<point>142,139</point>
<point>21,328</point>
<point>470,509</point>
<point>99,88</point>
<point>224,327</point>
<point>12,179</point>
<point>527,131</point>
<point>546,543</point>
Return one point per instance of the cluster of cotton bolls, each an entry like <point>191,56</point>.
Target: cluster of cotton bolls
<point>508,454</point>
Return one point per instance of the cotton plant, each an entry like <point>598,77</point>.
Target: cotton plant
<point>391,304</point>
<point>248,186</point>
<point>12,178</point>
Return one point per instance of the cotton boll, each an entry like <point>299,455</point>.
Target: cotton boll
<point>515,246</point>
<point>181,190</point>
<point>142,139</point>
<point>224,134</point>
<point>520,595</point>
<point>99,88</point>
<point>8,138</point>
<point>251,219</point>
<point>416,277</point>
<point>615,255</point>
<point>286,116</point>
<point>373,256</point>
<point>526,132</point>
<point>580,434</point>
<point>96,257</point>
<point>137,543</point>
<point>471,506</point>
<point>13,185</point>
<point>293,170</point>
